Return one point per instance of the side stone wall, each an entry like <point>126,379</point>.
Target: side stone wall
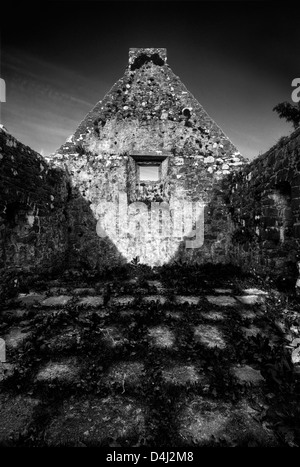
<point>33,215</point>
<point>264,201</point>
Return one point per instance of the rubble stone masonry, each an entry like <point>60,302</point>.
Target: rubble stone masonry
<point>33,225</point>
<point>264,202</point>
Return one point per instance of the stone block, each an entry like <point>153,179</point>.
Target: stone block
<point>221,300</point>
<point>247,374</point>
<point>16,414</point>
<point>92,421</point>
<point>202,421</point>
<point>91,301</point>
<point>58,301</point>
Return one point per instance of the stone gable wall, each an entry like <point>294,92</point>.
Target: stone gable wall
<point>149,113</point>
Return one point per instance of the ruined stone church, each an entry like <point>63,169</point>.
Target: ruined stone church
<point>148,176</point>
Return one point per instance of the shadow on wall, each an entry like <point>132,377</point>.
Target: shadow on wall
<point>37,246</point>
<point>87,250</point>
<point>33,240</point>
<point>215,238</point>
<point>36,202</point>
<point>154,233</point>
<point>252,220</point>
<point>208,241</point>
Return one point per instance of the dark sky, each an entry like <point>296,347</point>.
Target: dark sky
<point>237,58</point>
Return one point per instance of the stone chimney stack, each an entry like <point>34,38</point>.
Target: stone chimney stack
<point>156,55</point>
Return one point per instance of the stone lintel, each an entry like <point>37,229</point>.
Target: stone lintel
<point>150,155</point>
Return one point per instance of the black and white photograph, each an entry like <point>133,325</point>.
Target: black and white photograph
<point>149,227</point>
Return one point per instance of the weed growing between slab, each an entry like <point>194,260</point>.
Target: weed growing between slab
<point>100,339</point>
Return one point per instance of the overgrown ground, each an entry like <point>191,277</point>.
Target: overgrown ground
<point>173,357</point>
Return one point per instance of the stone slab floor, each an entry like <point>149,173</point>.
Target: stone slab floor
<point>153,359</point>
